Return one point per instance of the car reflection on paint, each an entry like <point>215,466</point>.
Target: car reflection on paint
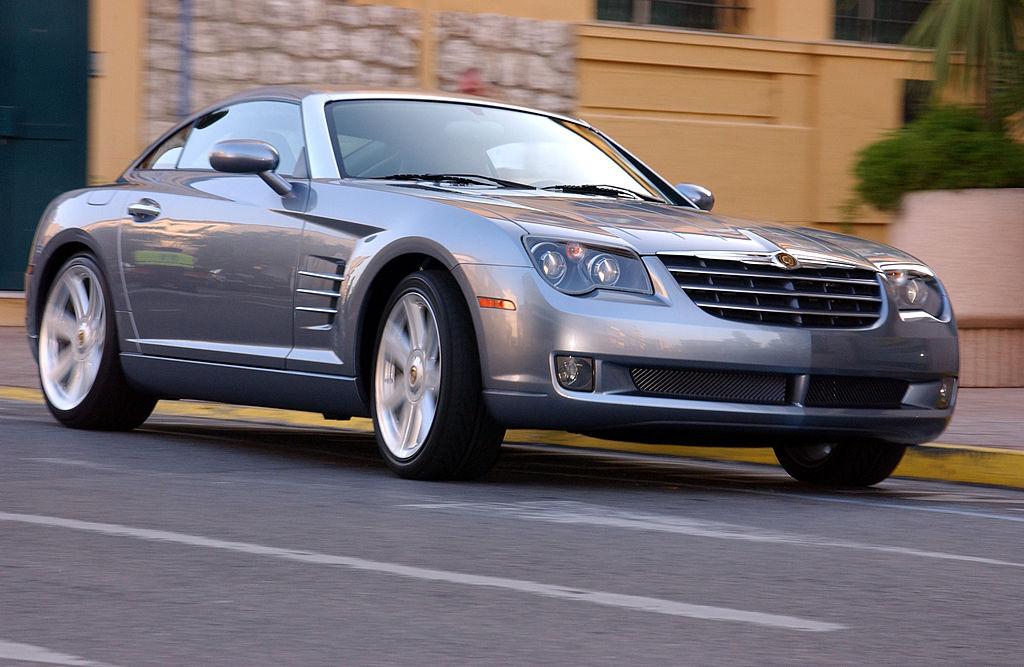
<point>454,267</point>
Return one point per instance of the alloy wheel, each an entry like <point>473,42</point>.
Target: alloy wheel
<point>408,375</point>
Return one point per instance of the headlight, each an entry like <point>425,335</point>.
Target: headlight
<point>916,290</point>
<point>576,268</point>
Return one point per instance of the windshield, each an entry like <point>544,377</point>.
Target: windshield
<point>381,138</point>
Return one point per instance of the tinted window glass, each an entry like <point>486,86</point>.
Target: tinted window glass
<point>277,123</point>
<point>380,138</point>
<point>165,156</point>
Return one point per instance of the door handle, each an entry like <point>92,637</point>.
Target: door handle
<point>144,209</point>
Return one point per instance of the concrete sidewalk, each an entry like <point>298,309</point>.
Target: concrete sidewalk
<point>983,444</point>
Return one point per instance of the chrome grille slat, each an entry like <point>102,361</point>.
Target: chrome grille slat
<point>744,288</point>
<point>756,274</point>
<point>810,295</point>
<point>779,310</point>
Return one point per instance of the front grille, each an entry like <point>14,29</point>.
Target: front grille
<point>761,388</point>
<point>818,391</point>
<point>829,297</point>
<point>834,391</point>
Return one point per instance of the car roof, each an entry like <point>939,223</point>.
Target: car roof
<point>296,93</point>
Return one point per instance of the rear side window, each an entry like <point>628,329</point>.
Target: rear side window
<point>277,123</point>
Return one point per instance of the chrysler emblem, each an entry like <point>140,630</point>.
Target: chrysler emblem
<point>785,260</point>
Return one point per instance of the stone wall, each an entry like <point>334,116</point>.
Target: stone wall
<point>240,44</point>
<point>523,61</point>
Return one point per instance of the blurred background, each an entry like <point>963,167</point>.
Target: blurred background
<point>766,102</point>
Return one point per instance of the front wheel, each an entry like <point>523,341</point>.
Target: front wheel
<point>428,408</point>
<point>79,369</point>
<point>849,464</point>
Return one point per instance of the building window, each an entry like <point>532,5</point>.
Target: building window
<point>723,15</point>
<point>880,21</point>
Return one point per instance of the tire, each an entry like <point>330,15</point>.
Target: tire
<point>843,464</point>
<point>79,368</point>
<point>428,408</point>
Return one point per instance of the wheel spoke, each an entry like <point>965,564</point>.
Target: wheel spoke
<point>406,418</point>
<point>78,296</point>
<point>73,382</point>
<point>427,407</point>
<point>416,316</point>
<point>62,326</point>
<point>392,398</point>
<point>430,346</point>
<point>397,346</point>
<point>94,310</point>
<point>60,370</point>
<point>432,376</point>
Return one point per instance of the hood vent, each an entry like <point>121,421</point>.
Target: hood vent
<point>754,290</point>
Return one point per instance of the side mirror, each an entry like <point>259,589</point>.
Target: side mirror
<point>698,194</point>
<point>248,156</point>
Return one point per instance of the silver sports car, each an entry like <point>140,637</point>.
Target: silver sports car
<point>454,267</point>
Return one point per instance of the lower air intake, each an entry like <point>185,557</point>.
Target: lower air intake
<point>764,388</point>
<point>834,391</point>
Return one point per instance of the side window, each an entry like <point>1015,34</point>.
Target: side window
<point>165,156</point>
<point>277,123</point>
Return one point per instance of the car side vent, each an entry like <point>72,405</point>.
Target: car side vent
<point>756,291</point>
<point>318,291</point>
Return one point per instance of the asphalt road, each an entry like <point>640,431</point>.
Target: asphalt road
<point>225,543</point>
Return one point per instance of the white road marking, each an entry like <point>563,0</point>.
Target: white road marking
<point>76,463</point>
<point>631,602</point>
<point>596,515</point>
<point>30,653</point>
<point>913,508</point>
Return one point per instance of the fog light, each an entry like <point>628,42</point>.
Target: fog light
<point>947,392</point>
<point>576,373</point>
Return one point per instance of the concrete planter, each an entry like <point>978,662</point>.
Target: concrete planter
<point>974,239</point>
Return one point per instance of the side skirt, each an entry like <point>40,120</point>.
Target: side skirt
<point>265,387</point>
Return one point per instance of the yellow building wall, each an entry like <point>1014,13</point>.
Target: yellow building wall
<point>116,30</point>
<point>771,126</point>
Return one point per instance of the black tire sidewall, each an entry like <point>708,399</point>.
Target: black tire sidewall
<point>849,464</point>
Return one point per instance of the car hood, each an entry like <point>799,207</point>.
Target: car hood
<point>651,228</point>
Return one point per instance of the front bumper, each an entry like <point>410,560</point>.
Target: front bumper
<point>621,332</point>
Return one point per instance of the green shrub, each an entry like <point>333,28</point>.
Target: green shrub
<point>947,148</point>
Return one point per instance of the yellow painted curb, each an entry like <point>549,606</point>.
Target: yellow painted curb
<point>951,463</point>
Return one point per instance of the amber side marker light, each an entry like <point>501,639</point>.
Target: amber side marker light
<point>500,304</point>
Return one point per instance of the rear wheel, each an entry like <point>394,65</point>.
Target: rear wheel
<point>428,409</point>
<point>851,464</point>
<point>79,369</point>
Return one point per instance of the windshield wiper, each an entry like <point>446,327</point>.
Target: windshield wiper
<point>455,179</point>
<point>599,189</point>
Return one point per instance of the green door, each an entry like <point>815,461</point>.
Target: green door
<point>44,55</point>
